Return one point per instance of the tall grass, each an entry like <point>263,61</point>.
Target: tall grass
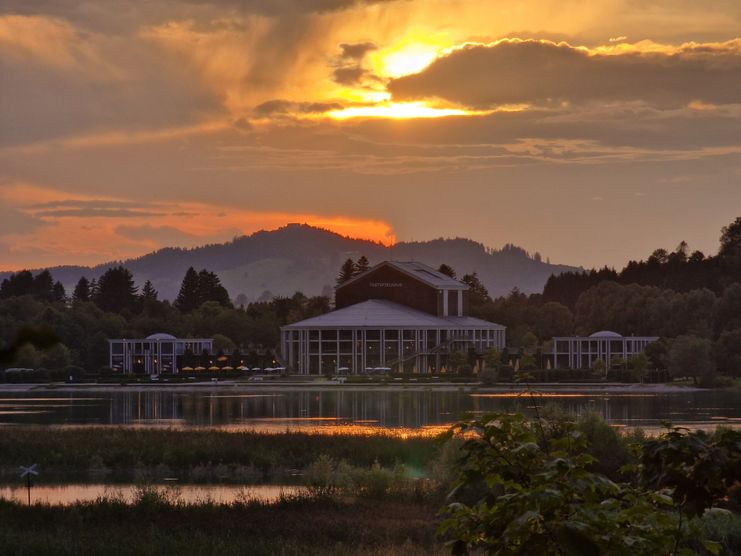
<point>157,524</point>
<point>203,455</point>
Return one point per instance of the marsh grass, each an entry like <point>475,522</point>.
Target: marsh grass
<point>197,456</point>
<point>158,523</point>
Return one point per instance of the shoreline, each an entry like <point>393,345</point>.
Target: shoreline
<point>234,386</point>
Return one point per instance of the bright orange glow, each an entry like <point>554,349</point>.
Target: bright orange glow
<point>95,238</point>
<point>302,425</point>
<point>397,110</point>
<point>561,395</point>
<point>417,50</point>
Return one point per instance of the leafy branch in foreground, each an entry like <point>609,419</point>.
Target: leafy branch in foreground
<point>520,492</point>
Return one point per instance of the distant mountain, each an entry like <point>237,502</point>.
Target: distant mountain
<point>302,258</point>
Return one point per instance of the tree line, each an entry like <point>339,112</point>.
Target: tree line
<point>692,302</point>
<point>114,307</point>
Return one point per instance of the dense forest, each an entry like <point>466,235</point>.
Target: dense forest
<point>113,307</point>
<point>692,301</point>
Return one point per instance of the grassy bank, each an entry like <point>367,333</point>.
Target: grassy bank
<point>155,525</point>
<point>211,455</point>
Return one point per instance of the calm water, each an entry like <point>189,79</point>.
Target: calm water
<point>328,410</point>
<point>187,494</point>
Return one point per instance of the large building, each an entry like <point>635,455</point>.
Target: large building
<point>158,353</point>
<point>580,352</point>
<point>395,317</point>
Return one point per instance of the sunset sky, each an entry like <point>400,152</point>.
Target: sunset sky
<point>592,132</point>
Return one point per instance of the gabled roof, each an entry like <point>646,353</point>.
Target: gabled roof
<point>418,271</point>
<point>381,313</point>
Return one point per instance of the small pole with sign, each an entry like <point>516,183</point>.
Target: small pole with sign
<point>27,472</point>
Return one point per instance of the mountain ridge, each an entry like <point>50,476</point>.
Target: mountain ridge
<point>299,257</point>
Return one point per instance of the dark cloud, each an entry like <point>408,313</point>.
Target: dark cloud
<point>540,72</point>
<point>348,76</point>
<point>103,204</point>
<point>92,209</point>
<point>98,213</point>
<point>349,65</point>
<point>356,51</point>
<point>40,101</point>
<point>97,12</point>
<point>281,106</point>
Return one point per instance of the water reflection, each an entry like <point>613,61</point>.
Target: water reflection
<point>340,409</point>
<point>187,494</point>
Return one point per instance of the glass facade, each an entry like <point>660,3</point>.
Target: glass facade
<point>581,352</point>
<point>374,350</point>
<point>152,355</point>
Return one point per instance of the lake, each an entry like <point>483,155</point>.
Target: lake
<point>350,408</point>
<point>67,494</point>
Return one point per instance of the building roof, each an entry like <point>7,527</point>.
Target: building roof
<point>605,334</point>
<point>161,336</point>
<point>418,271</point>
<point>381,313</point>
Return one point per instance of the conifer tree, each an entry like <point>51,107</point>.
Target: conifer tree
<point>188,296</point>
<point>81,293</point>
<point>148,292</point>
<point>116,290</point>
<point>362,265</point>
<point>43,286</point>
<point>347,271</point>
<point>447,270</point>
<point>199,287</point>
<point>93,289</point>
<point>210,289</point>
<point>20,283</point>
<point>478,294</point>
<point>58,292</point>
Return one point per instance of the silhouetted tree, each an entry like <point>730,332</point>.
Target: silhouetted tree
<point>58,292</point>
<point>478,294</point>
<point>199,287</point>
<point>43,286</point>
<point>347,271</point>
<point>148,291</point>
<point>82,291</point>
<point>730,247</point>
<point>116,290</point>
<point>210,289</point>
<point>93,288</point>
<point>188,297</point>
<point>20,283</point>
<point>447,270</point>
<point>362,265</point>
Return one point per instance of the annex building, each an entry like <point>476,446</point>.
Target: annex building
<point>580,352</point>
<point>157,353</point>
<point>395,317</point>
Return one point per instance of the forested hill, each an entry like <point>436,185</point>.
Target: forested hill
<point>304,258</point>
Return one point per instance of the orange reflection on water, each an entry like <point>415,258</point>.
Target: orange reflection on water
<point>64,495</point>
<point>327,426</point>
<point>560,395</point>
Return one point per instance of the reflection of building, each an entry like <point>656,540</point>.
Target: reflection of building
<point>580,352</point>
<point>158,353</point>
<point>397,316</point>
